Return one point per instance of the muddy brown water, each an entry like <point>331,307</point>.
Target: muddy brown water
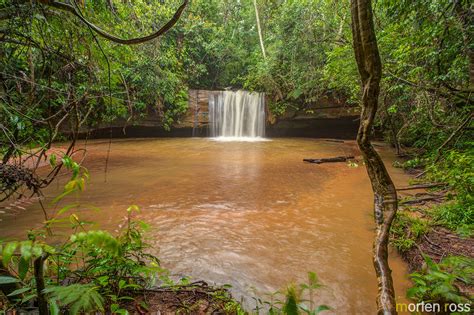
<point>250,214</point>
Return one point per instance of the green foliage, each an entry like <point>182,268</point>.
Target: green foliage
<point>457,170</point>
<point>76,183</point>
<point>340,72</point>
<point>112,266</point>
<point>455,167</point>
<point>424,54</point>
<point>231,306</point>
<point>406,230</point>
<point>59,76</point>
<point>455,217</point>
<point>291,303</point>
<point>76,298</point>
<point>100,268</point>
<point>7,280</point>
<point>304,41</point>
<point>215,45</point>
<point>294,299</point>
<point>436,283</point>
<point>414,163</point>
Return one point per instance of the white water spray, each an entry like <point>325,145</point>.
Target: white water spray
<point>237,115</point>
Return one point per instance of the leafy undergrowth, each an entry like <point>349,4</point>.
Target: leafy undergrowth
<point>295,299</point>
<point>455,169</point>
<point>435,236</point>
<point>406,230</point>
<point>438,281</point>
<point>441,260</point>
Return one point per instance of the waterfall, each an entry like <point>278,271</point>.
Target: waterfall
<point>239,114</point>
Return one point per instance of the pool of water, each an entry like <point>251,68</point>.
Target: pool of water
<point>250,214</point>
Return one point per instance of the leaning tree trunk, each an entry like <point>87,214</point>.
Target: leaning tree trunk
<point>259,29</point>
<point>385,196</point>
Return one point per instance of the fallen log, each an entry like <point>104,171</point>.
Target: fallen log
<point>421,200</point>
<point>422,186</point>
<point>329,160</point>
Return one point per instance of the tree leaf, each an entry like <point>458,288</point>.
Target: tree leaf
<point>23,267</point>
<point>321,308</point>
<point>19,291</point>
<point>25,250</point>
<point>7,280</point>
<point>28,297</point>
<point>8,251</point>
<point>67,208</point>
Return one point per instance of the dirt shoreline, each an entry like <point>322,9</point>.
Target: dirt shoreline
<point>438,242</point>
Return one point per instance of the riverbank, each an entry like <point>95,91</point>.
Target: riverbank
<point>195,298</point>
<point>428,246</point>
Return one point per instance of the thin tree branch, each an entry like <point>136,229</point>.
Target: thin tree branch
<point>98,30</point>
<point>455,132</point>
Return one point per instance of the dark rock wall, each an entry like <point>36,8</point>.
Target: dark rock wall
<point>326,118</point>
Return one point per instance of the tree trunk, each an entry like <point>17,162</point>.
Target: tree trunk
<point>385,196</point>
<point>465,13</point>
<point>259,29</point>
<point>40,284</point>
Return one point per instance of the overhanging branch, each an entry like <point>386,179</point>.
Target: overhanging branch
<point>101,32</point>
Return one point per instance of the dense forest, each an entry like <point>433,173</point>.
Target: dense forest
<point>68,67</point>
<point>52,60</point>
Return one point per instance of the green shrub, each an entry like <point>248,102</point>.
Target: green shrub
<point>416,162</point>
<point>455,217</point>
<point>89,271</point>
<point>405,230</point>
<point>292,301</point>
<point>100,269</point>
<point>456,168</point>
<point>78,298</point>
<point>436,283</point>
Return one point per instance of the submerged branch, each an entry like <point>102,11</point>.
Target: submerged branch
<point>329,160</point>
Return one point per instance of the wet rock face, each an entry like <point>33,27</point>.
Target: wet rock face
<point>335,128</point>
<point>329,117</point>
<point>327,106</point>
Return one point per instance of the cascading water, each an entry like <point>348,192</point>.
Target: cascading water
<point>237,115</point>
